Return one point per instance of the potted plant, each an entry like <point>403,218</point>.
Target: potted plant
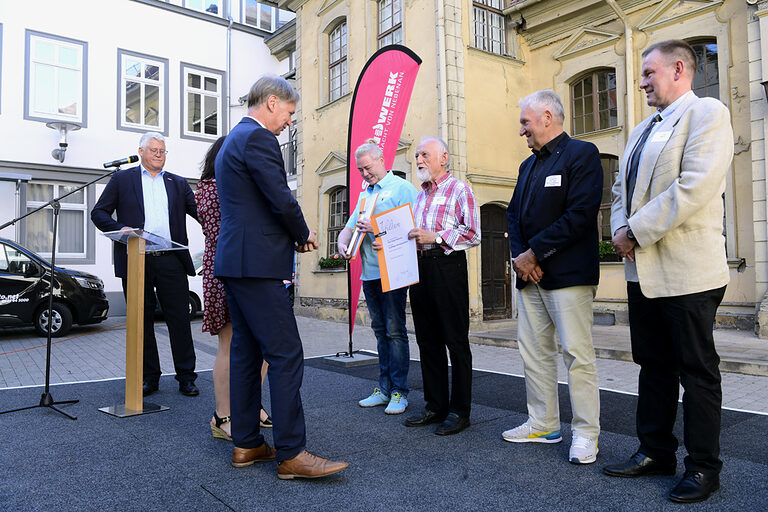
<point>332,262</point>
<point>607,253</point>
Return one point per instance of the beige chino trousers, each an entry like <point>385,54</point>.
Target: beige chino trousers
<point>567,311</point>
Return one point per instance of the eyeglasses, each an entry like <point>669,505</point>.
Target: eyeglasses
<point>160,152</point>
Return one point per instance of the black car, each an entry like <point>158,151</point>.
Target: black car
<point>24,283</point>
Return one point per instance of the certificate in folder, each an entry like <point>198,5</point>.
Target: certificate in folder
<point>398,264</point>
<point>366,209</point>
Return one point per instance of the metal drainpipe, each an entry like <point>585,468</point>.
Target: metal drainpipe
<point>229,65</point>
<point>442,74</point>
<point>629,66</point>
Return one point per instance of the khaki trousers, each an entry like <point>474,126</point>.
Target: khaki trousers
<point>569,312</point>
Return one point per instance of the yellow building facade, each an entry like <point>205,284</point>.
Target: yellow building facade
<point>479,58</point>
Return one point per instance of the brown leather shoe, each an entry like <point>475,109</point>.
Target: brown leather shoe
<point>242,457</point>
<point>307,465</point>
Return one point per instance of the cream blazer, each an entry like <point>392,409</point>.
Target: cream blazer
<point>677,207</point>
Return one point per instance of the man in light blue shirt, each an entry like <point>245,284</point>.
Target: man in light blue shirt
<point>150,198</point>
<point>387,309</point>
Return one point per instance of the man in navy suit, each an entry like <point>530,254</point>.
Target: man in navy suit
<point>157,201</point>
<point>553,235</point>
<point>261,227</point>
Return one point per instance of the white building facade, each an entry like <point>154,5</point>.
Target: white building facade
<point>178,67</point>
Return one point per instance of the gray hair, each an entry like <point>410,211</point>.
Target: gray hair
<point>144,141</point>
<point>443,147</point>
<point>369,148</point>
<point>673,50</point>
<point>546,99</point>
<point>270,85</point>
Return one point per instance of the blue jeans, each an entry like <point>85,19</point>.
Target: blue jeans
<point>387,312</point>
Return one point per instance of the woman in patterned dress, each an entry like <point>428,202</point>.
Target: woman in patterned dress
<point>215,311</point>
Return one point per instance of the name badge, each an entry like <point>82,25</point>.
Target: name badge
<point>385,193</point>
<point>553,181</point>
<point>439,200</point>
<point>661,136</point>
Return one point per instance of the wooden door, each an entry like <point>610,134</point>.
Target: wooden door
<point>496,266</point>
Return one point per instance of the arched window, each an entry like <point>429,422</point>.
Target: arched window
<point>390,22</point>
<point>593,102</point>
<point>337,203</point>
<point>706,82</point>
<point>610,172</point>
<point>337,62</point>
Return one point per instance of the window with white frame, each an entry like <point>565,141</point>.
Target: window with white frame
<point>143,87</point>
<point>209,6</point>
<point>390,22</point>
<point>265,17</point>
<point>73,223</point>
<point>337,62</point>
<point>202,103</point>
<point>489,26</point>
<point>337,205</point>
<point>55,78</point>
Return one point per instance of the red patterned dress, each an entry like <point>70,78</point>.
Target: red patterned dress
<point>216,312</point>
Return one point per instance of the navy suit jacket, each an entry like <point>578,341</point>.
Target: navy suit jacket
<point>124,194</point>
<point>558,217</point>
<point>261,222</point>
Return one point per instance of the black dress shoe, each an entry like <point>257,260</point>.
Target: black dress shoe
<point>695,486</point>
<point>453,424</point>
<point>188,388</point>
<point>427,418</point>
<point>148,388</point>
<point>641,465</point>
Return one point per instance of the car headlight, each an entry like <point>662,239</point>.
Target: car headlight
<point>94,284</point>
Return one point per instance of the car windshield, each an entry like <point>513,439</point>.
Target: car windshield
<point>197,260</point>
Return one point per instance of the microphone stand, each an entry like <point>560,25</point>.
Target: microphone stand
<point>46,400</point>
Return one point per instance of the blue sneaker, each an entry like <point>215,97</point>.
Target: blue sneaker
<point>377,398</point>
<point>397,404</point>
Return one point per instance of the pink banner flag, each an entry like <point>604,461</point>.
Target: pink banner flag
<point>378,110</point>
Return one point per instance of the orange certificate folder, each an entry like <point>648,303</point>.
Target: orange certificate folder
<point>398,264</point>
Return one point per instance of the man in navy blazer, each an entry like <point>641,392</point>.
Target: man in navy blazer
<point>553,236</point>
<point>261,227</point>
<point>157,201</point>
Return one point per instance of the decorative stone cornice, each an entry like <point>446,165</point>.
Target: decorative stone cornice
<point>283,41</point>
<point>672,11</point>
<point>488,179</point>
<point>585,39</point>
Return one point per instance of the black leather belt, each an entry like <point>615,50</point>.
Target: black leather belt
<point>430,253</point>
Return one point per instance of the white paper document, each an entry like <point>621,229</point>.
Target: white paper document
<point>398,264</point>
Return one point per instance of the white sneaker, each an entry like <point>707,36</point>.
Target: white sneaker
<point>525,433</point>
<point>583,450</point>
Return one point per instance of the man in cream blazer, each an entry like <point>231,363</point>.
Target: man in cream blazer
<point>667,220</point>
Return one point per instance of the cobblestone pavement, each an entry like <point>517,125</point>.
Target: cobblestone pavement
<point>98,352</point>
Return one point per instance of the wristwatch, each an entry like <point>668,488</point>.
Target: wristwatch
<point>439,240</point>
<point>630,234</point>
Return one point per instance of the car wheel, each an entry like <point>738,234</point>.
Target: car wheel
<point>194,307</point>
<point>61,323</point>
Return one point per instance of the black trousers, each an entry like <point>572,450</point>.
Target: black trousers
<point>440,307</point>
<point>673,344</point>
<point>165,275</point>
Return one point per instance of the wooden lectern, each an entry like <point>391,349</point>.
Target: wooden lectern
<point>139,243</point>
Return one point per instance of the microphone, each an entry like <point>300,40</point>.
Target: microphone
<point>117,163</point>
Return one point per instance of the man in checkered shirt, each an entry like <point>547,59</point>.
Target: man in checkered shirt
<point>447,224</point>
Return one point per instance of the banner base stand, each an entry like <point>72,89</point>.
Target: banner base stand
<point>357,359</point>
<point>121,411</point>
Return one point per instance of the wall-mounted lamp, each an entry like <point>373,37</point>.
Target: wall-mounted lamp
<point>765,88</point>
<point>62,127</point>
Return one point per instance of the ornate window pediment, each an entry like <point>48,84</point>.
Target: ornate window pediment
<point>671,11</point>
<point>585,38</point>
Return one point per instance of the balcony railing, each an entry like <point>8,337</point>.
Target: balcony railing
<point>289,157</point>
